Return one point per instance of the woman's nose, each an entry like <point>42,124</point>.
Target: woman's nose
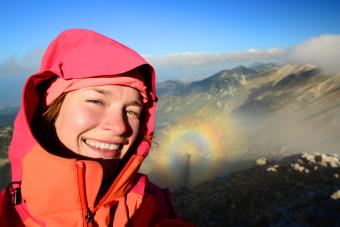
<point>116,123</point>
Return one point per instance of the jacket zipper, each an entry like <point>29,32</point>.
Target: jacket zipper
<point>86,212</point>
<point>102,201</point>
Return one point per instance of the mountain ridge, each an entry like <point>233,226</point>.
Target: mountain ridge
<point>275,111</point>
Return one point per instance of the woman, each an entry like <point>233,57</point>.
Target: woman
<point>84,129</point>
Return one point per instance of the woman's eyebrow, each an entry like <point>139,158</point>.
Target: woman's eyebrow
<point>135,103</point>
<point>104,92</point>
<point>101,91</point>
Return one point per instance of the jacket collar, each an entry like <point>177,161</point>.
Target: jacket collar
<point>50,184</point>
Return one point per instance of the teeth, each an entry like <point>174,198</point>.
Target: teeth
<point>103,146</point>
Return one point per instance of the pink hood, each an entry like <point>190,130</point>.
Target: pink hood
<point>79,53</point>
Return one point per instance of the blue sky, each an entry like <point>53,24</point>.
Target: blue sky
<point>161,27</point>
<point>183,39</point>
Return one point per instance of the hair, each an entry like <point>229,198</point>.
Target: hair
<point>51,113</point>
<point>43,122</point>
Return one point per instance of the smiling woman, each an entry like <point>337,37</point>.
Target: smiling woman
<point>85,127</point>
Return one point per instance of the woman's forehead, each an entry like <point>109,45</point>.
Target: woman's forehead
<point>116,91</point>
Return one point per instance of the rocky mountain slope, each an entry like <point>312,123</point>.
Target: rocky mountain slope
<point>299,190</point>
<point>244,113</point>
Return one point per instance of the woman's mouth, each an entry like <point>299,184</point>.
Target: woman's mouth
<point>103,146</point>
<point>105,150</point>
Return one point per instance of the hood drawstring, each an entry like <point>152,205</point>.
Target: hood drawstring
<point>14,189</point>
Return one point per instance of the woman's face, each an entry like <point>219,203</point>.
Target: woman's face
<point>100,122</point>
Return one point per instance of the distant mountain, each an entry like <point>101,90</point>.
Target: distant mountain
<point>246,112</point>
<point>221,80</point>
<point>170,87</point>
<point>278,90</point>
<point>259,67</point>
<point>178,100</point>
<point>214,83</point>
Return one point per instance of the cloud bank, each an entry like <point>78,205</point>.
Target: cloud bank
<point>196,65</point>
<point>192,59</point>
<point>323,51</point>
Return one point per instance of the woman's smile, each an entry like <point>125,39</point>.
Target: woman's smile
<point>107,150</point>
<point>103,146</point>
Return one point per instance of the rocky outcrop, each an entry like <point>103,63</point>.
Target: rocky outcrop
<point>299,190</point>
<point>261,161</point>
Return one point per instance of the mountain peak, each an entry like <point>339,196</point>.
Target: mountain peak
<point>238,70</point>
<point>260,66</point>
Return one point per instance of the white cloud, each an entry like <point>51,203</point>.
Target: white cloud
<point>188,66</point>
<point>323,51</point>
<point>192,59</point>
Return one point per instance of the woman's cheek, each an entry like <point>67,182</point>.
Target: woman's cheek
<point>135,127</point>
<point>86,118</point>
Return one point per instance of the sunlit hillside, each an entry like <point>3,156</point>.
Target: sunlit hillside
<point>210,127</point>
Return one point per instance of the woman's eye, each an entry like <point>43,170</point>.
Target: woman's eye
<point>95,101</point>
<point>132,113</point>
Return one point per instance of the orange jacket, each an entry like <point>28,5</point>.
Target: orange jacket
<point>66,197</point>
<point>48,190</point>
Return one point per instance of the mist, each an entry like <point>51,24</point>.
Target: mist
<point>213,141</point>
<point>323,51</point>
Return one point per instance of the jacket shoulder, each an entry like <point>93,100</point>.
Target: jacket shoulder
<point>163,196</point>
<point>157,208</point>
<point>156,198</point>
